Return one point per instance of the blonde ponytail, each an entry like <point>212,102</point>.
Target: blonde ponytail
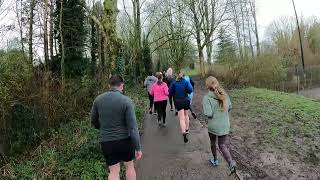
<point>213,85</point>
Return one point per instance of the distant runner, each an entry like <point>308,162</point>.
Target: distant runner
<point>216,106</point>
<point>170,79</point>
<point>149,81</point>
<point>160,92</point>
<point>180,90</point>
<point>189,80</point>
<point>113,114</point>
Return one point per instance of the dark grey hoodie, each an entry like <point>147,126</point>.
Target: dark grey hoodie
<point>150,80</point>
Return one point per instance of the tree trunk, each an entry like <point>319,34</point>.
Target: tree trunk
<point>198,37</point>
<point>51,35</point>
<point>249,31</point>
<point>45,32</point>
<point>201,60</point>
<point>63,73</point>
<point>256,31</point>
<point>242,3</point>
<point>32,6</point>
<point>93,45</point>
<point>209,53</point>
<point>237,27</point>
<point>19,16</point>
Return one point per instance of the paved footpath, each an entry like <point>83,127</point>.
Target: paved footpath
<point>167,157</point>
<point>311,93</point>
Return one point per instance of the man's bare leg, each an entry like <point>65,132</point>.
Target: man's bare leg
<point>114,172</point>
<point>130,170</point>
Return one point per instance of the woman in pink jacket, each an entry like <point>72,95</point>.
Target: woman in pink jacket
<point>160,91</point>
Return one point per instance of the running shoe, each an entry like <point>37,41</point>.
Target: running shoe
<point>164,124</point>
<point>187,131</point>
<point>232,168</point>
<point>214,162</point>
<point>194,115</point>
<point>185,138</point>
<point>171,109</point>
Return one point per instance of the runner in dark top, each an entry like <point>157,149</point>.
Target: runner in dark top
<point>113,114</point>
<point>170,79</point>
<point>180,90</point>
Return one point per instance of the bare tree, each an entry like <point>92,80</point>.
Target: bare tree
<point>31,16</point>
<point>63,71</point>
<point>45,33</point>
<point>51,28</point>
<point>19,14</point>
<point>256,32</point>
<point>213,16</point>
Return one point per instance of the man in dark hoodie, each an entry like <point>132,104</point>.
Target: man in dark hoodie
<point>114,115</point>
<point>149,81</point>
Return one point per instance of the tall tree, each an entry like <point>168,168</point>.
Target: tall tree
<point>19,14</point>
<point>51,28</point>
<point>31,17</point>
<point>45,33</point>
<point>256,31</point>
<point>62,46</point>
<point>71,35</point>
<point>205,31</point>
<point>226,48</point>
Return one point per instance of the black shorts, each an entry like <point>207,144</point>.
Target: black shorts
<point>118,151</point>
<point>182,104</point>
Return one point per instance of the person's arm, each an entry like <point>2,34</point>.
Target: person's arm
<point>192,82</point>
<point>95,116</point>
<point>172,89</point>
<point>145,82</point>
<point>229,104</point>
<point>132,125</point>
<point>207,107</point>
<point>166,89</point>
<point>189,88</point>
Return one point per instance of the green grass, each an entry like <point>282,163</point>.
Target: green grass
<point>193,72</point>
<point>280,119</point>
<point>72,152</point>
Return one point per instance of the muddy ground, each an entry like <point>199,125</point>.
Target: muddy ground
<point>256,159</point>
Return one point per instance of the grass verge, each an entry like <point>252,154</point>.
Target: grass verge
<point>285,121</point>
<point>72,152</point>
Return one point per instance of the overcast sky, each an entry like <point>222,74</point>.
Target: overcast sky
<point>268,10</point>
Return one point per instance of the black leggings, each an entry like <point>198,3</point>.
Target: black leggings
<point>171,101</point>
<point>150,101</point>
<point>161,107</point>
<point>224,146</point>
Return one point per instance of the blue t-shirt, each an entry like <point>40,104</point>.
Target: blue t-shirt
<point>181,89</point>
<point>188,79</point>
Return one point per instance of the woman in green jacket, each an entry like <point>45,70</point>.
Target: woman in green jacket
<point>216,106</point>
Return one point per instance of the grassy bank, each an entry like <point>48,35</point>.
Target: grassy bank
<point>283,121</point>
<point>72,152</point>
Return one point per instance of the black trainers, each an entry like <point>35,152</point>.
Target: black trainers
<point>185,138</point>
<point>187,131</point>
<point>194,115</point>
